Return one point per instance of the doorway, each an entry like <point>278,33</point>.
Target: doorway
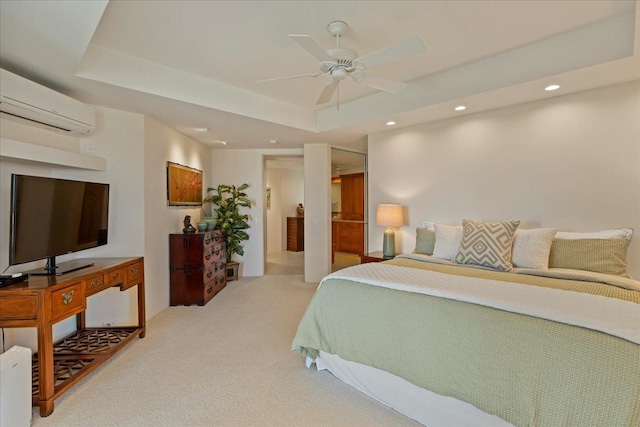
<point>348,207</point>
<point>284,227</point>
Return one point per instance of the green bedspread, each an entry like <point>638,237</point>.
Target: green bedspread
<point>527,370</point>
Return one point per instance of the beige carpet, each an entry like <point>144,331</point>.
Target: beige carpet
<point>228,363</point>
<point>289,263</point>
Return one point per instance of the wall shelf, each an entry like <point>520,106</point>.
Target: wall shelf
<point>19,151</point>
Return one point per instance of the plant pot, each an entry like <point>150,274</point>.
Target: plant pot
<point>232,271</point>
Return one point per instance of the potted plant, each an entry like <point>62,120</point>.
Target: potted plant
<point>227,200</point>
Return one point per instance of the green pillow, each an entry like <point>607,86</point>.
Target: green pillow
<point>608,256</point>
<point>425,241</point>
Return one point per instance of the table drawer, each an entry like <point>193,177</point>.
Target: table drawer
<point>22,307</point>
<point>135,272</point>
<point>95,284</point>
<point>115,277</point>
<point>67,301</point>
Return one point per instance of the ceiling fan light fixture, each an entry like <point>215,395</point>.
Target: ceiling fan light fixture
<point>340,62</point>
<point>339,74</point>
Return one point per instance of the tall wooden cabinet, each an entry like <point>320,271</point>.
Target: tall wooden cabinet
<point>197,264</point>
<point>348,232</point>
<point>295,234</point>
<point>352,196</point>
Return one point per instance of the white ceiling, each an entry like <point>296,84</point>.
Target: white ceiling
<point>194,63</point>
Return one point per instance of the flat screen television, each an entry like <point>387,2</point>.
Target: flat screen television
<point>51,217</point>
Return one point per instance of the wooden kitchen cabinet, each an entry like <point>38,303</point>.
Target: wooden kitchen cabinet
<point>352,196</point>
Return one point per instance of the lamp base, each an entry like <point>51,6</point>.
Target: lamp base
<point>389,243</point>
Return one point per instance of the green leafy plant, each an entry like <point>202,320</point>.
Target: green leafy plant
<point>227,200</point>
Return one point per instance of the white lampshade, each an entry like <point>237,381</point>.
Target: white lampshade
<point>389,215</point>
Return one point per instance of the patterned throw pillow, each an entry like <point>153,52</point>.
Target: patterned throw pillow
<point>487,244</point>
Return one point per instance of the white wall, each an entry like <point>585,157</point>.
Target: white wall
<point>287,190</point>
<point>570,162</point>
<point>119,138</point>
<point>235,167</point>
<point>136,149</point>
<point>162,144</point>
<point>317,202</point>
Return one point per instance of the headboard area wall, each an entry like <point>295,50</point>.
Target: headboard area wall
<point>570,162</point>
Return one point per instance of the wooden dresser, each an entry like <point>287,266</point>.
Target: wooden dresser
<point>295,234</point>
<point>42,301</point>
<point>197,267</point>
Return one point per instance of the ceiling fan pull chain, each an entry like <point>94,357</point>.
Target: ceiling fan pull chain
<point>338,96</point>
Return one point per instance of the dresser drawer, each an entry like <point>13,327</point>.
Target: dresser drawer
<point>219,267</point>
<point>23,307</point>
<point>217,236</point>
<point>218,253</point>
<point>208,257</point>
<point>95,284</point>
<point>67,301</point>
<point>208,273</point>
<point>208,239</point>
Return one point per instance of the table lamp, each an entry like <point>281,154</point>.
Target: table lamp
<point>389,215</point>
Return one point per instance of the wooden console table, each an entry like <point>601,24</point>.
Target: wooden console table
<point>44,300</point>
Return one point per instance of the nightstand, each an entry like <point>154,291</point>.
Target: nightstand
<point>373,257</point>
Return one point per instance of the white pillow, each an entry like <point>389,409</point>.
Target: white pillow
<point>531,248</point>
<point>429,226</point>
<point>616,233</point>
<point>448,238</point>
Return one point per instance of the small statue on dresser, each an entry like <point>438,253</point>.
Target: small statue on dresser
<point>188,228</point>
<point>300,210</point>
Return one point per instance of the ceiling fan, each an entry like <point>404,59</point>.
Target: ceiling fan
<point>341,62</point>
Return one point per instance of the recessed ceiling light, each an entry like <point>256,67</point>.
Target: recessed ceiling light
<point>552,87</point>
<point>220,142</point>
<point>460,108</point>
<point>273,141</point>
<point>202,129</point>
<point>390,123</point>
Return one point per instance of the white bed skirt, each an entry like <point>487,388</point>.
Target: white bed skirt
<point>422,405</point>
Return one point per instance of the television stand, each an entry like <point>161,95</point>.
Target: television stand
<point>51,269</point>
<point>44,301</point>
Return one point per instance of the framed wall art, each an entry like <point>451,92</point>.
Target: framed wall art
<point>184,185</point>
<point>268,197</point>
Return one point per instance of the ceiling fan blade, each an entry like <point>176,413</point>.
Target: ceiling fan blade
<point>383,83</point>
<point>311,46</point>
<point>327,92</point>
<point>392,53</point>
<point>289,77</point>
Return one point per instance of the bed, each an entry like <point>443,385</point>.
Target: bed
<point>450,344</point>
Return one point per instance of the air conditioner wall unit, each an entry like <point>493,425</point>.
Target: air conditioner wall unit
<point>37,105</point>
